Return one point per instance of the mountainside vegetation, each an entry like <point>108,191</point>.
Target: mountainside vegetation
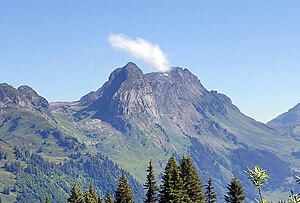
<point>48,147</point>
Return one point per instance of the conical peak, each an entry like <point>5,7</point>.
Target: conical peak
<point>130,70</point>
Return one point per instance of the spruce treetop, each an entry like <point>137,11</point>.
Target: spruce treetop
<point>75,196</point>
<point>210,194</point>
<point>191,182</point>
<point>150,185</point>
<point>235,192</point>
<point>124,193</point>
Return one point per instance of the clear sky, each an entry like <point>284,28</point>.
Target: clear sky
<point>248,50</point>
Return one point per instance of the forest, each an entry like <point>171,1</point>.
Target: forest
<point>180,184</point>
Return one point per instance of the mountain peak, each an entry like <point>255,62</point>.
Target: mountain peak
<point>129,72</point>
<point>287,118</point>
<point>24,97</point>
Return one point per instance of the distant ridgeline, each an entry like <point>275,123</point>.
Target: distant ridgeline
<point>45,148</point>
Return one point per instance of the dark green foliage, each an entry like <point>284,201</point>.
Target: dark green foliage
<point>210,194</point>
<point>191,182</point>
<point>90,196</point>
<point>124,193</point>
<point>235,192</point>
<point>75,196</point>
<point>47,200</point>
<point>35,188</point>
<point>150,185</point>
<point>6,190</point>
<point>42,177</point>
<point>172,185</point>
<point>14,167</point>
<point>99,199</point>
<point>109,198</point>
<point>3,154</point>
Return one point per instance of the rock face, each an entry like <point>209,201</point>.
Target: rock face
<point>288,122</point>
<point>180,96</point>
<point>172,113</point>
<point>126,94</point>
<point>23,97</point>
<point>288,118</point>
<point>135,116</point>
<point>129,93</point>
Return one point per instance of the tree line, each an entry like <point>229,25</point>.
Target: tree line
<point>180,184</point>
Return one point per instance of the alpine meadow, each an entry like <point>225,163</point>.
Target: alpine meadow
<point>149,101</point>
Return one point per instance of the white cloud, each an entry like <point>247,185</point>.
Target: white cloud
<point>141,49</point>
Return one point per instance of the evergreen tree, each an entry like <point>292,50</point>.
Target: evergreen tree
<point>124,193</point>
<point>235,192</point>
<point>109,198</point>
<point>99,199</point>
<point>210,194</point>
<point>150,185</point>
<point>172,186</point>
<point>47,200</point>
<point>90,196</point>
<point>191,181</point>
<point>6,190</point>
<point>75,196</point>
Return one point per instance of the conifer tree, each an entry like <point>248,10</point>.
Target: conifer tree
<point>99,199</point>
<point>210,194</point>
<point>109,198</point>
<point>235,192</point>
<point>124,193</point>
<point>47,200</point>
<point>191,182</point>
<point>150,185</point>
<point>172,186</point>
<point>90,196</point>
<point>75,196</point>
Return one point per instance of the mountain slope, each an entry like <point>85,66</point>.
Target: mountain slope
<point>136,116</point>
<point>288,118</point>
<point>288,122</point>
<point>41,149</point>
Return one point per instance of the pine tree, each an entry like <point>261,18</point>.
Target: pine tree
<point>109,198</point>
<point>124,193</point>
<point>191,181</point>
<point>6,190</point>
<point>47,200</point>
<point>172,186</point>
<point>90,196</point>
<point>75,196</point>
<point>210,194</point>
<point>235,192</point>
<point>99,199</point>
<point>150,185</point>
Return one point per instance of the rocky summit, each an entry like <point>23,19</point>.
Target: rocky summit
<point>135,117</point>
<point>23,97</point>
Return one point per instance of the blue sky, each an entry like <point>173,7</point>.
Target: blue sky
<point>248,50</point>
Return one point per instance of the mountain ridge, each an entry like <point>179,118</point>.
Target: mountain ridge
<point>134,115</point>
